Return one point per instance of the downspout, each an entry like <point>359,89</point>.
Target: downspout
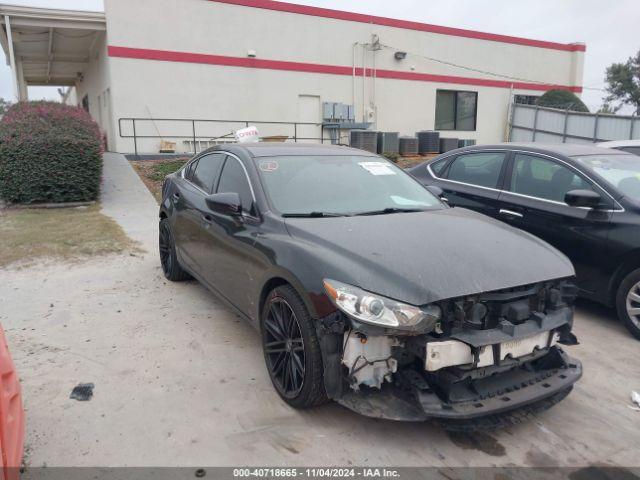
<point>364,81</point>
<point>375,77</point>
<point>353,76</point>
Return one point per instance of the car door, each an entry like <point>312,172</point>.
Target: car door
<point>472,180</point>
<point>533,200</point>
<point>191,209</point>
<point>232,261</point>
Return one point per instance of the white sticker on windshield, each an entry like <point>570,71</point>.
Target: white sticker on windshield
<point>377,168</point>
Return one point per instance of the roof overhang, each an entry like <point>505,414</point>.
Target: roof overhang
<point>49,46</point>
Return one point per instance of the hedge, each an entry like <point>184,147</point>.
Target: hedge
<point>49,152</point>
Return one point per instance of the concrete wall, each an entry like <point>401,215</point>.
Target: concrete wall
<point>96,84</point>
<point>144,88</point>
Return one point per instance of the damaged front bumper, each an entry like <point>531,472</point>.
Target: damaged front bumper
<point>461,374</point>
<point>413,398</point>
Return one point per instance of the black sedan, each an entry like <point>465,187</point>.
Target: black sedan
<point>367,289</point>
<point>582,199</point>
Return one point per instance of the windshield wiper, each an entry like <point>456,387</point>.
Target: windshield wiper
<point>385,211</point>
<point>313,215</point>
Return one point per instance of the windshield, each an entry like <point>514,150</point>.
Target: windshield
<point>340,185</point>
<point>621,171</point>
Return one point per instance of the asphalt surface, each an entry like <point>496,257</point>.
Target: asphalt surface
<point>180,380</point>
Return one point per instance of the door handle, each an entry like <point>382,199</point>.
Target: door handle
<point>207,218</point>
<point>176,196</point>
<point>510,213</point>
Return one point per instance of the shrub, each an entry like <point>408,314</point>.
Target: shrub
<point>49,152</point>
<point>562,99</point>
<point>393,156</point>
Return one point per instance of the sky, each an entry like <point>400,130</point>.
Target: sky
<point>610,29</point>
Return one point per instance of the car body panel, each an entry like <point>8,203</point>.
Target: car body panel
<point>600,243</point>
<point>492,261</point>
<point>453,256</point>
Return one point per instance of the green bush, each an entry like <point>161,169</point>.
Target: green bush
<point>393,156</point>
<point>563,99</point>
<point>49,152</point>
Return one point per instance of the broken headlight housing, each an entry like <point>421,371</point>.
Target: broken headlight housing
<point>377,310</point>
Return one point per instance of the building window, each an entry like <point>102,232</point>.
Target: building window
<point>456,110</point>
<point>525,99</point>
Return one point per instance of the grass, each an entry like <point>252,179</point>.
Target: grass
<point>152,172</point>
<point>60,233</point>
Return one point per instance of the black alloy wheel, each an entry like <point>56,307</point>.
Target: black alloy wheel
<point>291,349</point>
<point>168,259</point>
<point>284,348</point>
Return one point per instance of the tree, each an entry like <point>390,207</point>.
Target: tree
<point>4,106</point>
<point>607,109</point>
<point>563,99</point>
<point>623,83</point>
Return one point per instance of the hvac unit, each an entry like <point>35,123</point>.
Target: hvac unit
<point>364,140</point>
<point>428,142</point>
<point>408,146</point>
<point>447,144</point>
<point>388,142</point>
<point>466,143</point>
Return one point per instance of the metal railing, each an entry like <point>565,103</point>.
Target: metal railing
<point>196,125</point>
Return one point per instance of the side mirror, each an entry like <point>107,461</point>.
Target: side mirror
<point>436,190</point>
<point>225,203</point>
<point>582,198</point>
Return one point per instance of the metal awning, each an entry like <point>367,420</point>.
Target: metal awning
<point>46,46</point>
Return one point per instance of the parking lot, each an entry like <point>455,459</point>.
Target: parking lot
<point>180,380</point>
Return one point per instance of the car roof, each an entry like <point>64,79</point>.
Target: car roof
<point>566,149</point>
<point>276,149</point>
<point>620,143</point>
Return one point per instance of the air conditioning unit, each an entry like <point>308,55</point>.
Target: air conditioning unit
<point>447,144</point>
<point>466,143</point>
<point>428,142</point>
<point>408,146</point>
<point>388,142</point>
<point>364,140</point>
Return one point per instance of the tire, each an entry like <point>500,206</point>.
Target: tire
<point>627,298</point>
<point>289,342</point>
<point>168,258</point>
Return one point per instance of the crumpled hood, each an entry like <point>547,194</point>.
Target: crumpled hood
<point>423,257</point>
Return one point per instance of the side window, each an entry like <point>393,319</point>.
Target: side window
<point>233,179</point>
<point>204,173</point>
<point>482,169</point>
<point>436,167</point>
<point>188,174</point>
<point>541,178</point>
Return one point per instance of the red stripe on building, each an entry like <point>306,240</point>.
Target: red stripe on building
<point>185,57</point>
<point>406,24</point>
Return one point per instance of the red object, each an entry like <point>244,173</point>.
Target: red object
<point>186,57</point>
<point>11,415</point>
<point>406,24</point>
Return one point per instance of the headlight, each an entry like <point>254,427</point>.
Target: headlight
<point>378,310</point>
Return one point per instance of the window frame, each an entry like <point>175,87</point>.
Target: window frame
<point>508,173</point>
<point>245,214</point>
<point>194,164</point>
<point>455,111</point>
<point>452,158</point>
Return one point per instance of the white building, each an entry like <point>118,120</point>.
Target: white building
<point>263,60</point>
